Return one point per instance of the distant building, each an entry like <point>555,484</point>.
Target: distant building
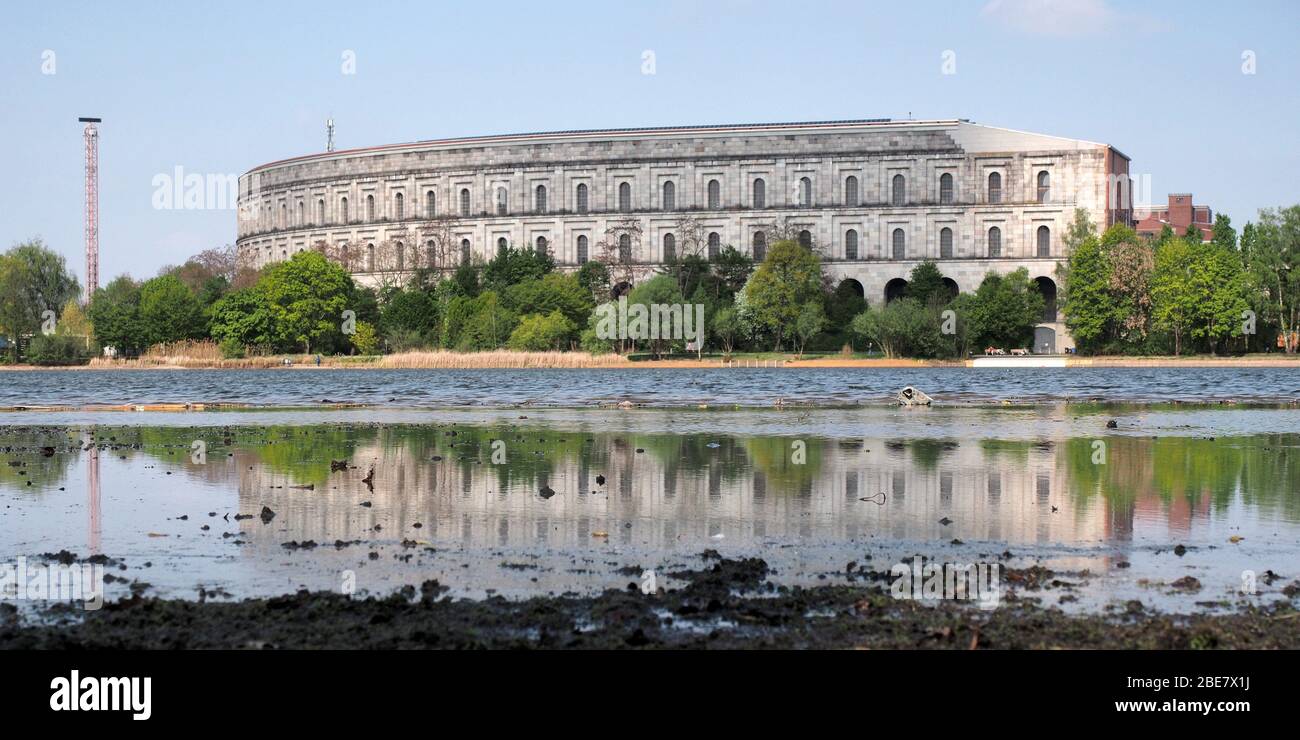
<point>1179,214</point>
<point>874,197</point>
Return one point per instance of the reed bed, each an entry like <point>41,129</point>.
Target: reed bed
<point>504,359</point>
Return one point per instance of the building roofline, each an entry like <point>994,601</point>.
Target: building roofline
<point>616,133</point>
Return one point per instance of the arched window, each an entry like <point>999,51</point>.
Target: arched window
<point>502,245</point>
<point>503,201</point>
<point>1044,241</point>
<point>401,256</point>
<point>1044,187</point>
<point>995,187</point>
<point>995,242</point>
<point>625,247</point>
<point>670,195</point>
<point>805,239</point>
<point>464,250</point>
<point>431,254</point>
<point>370,208</point>
<point>302,214</point>
<point>900,244</point>
<point>624,196</point>
<point>760,246</point>
<point>284,215</point>
<point>345,256</point>
<point>715,195</point>
<point>851,244</point>
<point>945,189</point>
<point>945,243</point>
<point>399,206</point>
<point>582,249</point>
<point>760,193</point>
<point>539,199</point>
<point>670,248</point>
<point>370,257</point>
<point>430,204</point>
<point>464,202</point>
<point>540,249</point>
<point>343,210</point>
<point>320,211</point>
<point>715,245</point>
<point>851,191</point>
<point>898,195</point>
<point>805,192</point>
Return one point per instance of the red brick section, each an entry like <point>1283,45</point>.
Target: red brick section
<point>1179,214</point>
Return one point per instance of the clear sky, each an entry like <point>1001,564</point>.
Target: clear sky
<point>220,87</point>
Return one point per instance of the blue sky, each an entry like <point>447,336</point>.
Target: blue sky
<point>222,87</point>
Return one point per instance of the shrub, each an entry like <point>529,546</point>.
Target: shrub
<point>54,349</point>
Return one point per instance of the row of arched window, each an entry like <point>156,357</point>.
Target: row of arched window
<point>668,202</point>
<point>898,247</point>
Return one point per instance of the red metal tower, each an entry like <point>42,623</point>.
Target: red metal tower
<point>92,206</point>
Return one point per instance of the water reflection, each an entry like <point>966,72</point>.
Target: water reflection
<point>481,488</point>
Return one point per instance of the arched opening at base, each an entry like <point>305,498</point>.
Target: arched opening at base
<point>951,285</point>
<point>895,289</point>
<point>1047,287</point>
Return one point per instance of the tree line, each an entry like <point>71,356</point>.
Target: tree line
<point>1119,294</point>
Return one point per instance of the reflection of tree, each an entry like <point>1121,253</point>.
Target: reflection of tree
<point>926,452</point>
<point>1189,471</point>
<point>25,449</point>
<point>775,458</point>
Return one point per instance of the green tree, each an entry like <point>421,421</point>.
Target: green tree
<point>1224,235</point>
<point>1089,306</point>
<point>33,279</point>
<point>512,266</point>
<point>410,311</point>
<point>926,285</point>
<point>169,311</point>
<point>659,291</point>
<point>1273,262</point>
<point>538,333</point>
<point>1173,290</point>
<point>1003,310</point>
<point>789,277</point>
<point>115,313</point>
<point>553,292</point>
<point>810,322</point>
<point>1222,294</point>
<point>242,320</point>
<point>307,295</point>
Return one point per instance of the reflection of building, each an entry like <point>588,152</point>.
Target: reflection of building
<point>873,197</point>
<point>649,500</point>
<point>1178,215</point>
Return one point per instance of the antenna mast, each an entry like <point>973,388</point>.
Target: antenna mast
<point>329,134</point>
<point>91,135</point>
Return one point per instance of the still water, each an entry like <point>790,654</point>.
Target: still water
<point>537,501</point>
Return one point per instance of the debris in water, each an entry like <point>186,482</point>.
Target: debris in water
<point>910,396</point>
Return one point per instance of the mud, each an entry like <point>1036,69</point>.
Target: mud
<point>723,603</point>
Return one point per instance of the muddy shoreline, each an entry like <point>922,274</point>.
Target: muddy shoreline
<point>725,604</point>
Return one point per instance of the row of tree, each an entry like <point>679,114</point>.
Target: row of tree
<point>1124,294</point>
<point>1120,293</point>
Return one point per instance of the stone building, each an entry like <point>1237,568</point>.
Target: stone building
<point>873,197</point>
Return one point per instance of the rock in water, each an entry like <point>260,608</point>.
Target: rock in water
<point>267,515</point>
<point>910,396</point>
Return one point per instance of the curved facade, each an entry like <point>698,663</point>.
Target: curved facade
<point>873,197</point>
